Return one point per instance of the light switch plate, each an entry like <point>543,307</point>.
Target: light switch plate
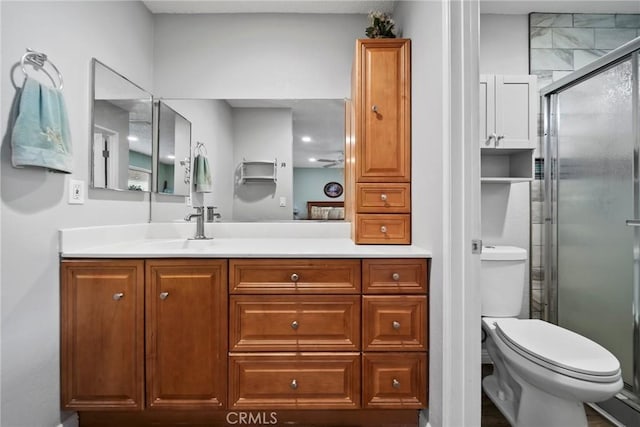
<point>76,192</point>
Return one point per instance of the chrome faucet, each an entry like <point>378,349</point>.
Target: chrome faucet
<point>199,215</point>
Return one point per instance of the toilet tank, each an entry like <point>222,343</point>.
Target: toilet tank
<point>502,274</point>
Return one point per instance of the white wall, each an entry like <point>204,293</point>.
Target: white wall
<point>255,56</point>
<point>423,23</point>
<point>263,134</point>
<point>504,44</point>
<point>504,49</point>
<point>34,202</point>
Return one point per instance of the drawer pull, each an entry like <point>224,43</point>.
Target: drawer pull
<point>294,324</point>
<point>383,197</point>
<point>164,295</point>
<point>395,325</point>
<point>395,383</point>
<point>294,384</point>
<point>395,276</point>
<point>294,277</point>
<point>374,108</point>
<point>383,229</point>
<point>118,296</point>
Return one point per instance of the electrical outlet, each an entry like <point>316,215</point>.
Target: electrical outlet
<point>187,201</point>
<point>76,192</point>
<point>283,202</point>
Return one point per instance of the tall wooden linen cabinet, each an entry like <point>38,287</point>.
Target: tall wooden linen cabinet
<point>378,143</point>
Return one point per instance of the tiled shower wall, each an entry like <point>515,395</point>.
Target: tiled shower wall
<point>560,43</point>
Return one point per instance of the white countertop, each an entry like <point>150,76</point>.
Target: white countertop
<point>230,240</point>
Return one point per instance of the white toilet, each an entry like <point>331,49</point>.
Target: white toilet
<point>542,373</point>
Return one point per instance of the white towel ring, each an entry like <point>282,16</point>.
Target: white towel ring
<point>37,60</point>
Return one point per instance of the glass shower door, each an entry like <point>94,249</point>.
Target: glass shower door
<point>595,196</point>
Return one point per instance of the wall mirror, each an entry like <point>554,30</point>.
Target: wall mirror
<point>174,148</point>
<point>121,125</point>
<point>303,138</point>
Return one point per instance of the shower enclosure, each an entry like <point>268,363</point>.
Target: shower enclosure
<point>592,206</point>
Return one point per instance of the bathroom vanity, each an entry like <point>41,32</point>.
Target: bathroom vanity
<point>241,324</point>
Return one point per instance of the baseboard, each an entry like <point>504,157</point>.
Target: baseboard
<point>70,421</point>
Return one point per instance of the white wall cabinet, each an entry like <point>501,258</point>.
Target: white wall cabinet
<point>508,118</point>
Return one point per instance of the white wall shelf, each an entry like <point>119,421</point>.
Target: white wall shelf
<point>515,165</point>
<point>257,171</point>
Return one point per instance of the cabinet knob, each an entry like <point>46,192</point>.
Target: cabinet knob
<point>498,139</point>
<point>383,197</point>
<point>374,108</point>
<point>395,325</point>
<point>117,296</point>
<point>164,295</point>
<point>294,277</point>
<point>488,141</point>
<point>383,229</point>
<point>294,384</point>
<point>395,276</point>
<point>294,324</point>
<point>395,383</point>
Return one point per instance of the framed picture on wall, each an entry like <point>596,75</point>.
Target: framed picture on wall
<point>333,189</point>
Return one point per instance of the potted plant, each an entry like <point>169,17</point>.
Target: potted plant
<point>381,26</point>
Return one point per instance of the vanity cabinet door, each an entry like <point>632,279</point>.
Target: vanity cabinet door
<point>102,335</point>
<point>395,380</point>
<point>383,110</point>
<point>186,308</point>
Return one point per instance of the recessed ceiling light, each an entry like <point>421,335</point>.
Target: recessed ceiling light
<point>306,139</point>
<point>132,138</point>
<point>312,159</point>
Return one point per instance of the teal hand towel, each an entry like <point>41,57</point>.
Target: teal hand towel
<point>202,174</point>
<point>40,135</point>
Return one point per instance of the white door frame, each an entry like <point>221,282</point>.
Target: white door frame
<point>459,391</point>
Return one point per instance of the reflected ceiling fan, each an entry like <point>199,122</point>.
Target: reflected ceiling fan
<point>339,161</point>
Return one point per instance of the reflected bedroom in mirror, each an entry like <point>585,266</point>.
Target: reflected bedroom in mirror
<point>293,149</point>
<point>122,153</point>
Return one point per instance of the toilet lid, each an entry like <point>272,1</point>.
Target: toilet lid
<point>557,347</point>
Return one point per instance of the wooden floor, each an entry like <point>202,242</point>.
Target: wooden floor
<point>492,417</point>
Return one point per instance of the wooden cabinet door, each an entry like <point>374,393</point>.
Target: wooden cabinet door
<point>516,111</point>
<point>395,380</point>
<point>186,307</point>
<point>383,105</point>
<point>102,335</point>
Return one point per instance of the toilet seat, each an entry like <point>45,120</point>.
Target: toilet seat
<point>558,349</point>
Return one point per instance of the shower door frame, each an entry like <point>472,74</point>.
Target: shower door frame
<point>549,106</point>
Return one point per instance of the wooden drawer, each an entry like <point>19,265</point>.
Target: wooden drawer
<point>293,276</point>
<point>383,198</point>
<point>294,381</point>
<point>381,229</point>
<point>394,276</point>
<point>394,323</point>
<point>394,380</point>
<point>294,323</point>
